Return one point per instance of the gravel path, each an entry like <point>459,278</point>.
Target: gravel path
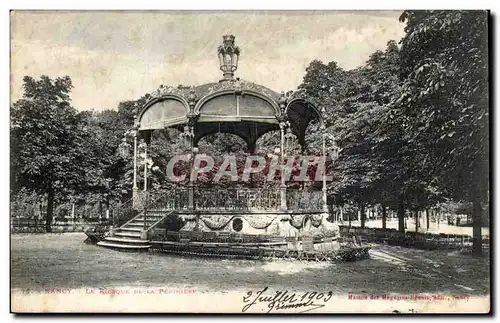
<point>64,261</point>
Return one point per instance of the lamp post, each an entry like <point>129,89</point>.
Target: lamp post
<point>123,149</point>
<point>134,187</point>
<point>283,205</point>
<point>334,152</point>
<point>283,101</point>
<point>289,137</point>
<point>144,147</point>
<point>191,182</point>
<point>188,136</point>
<point>229,54</point>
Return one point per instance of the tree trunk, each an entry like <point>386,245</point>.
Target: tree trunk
<point>415,213</point>
<point>427,215</point>
<point>363,216</point>
<point>401,217</point>
<point>73,211</point>
<point>384,217</point>
<point>100,212</point>
<point>477,241</point>
<point>50,210</point>
<point>110,212</point>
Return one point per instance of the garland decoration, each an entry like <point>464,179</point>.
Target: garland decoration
<point>260,221</point>
<point>217,221</point>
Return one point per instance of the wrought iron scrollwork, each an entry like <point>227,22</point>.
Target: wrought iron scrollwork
<point>304,200</point>
<point>236,199</point>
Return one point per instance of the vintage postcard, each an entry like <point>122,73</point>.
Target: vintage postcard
<point>250,162</point>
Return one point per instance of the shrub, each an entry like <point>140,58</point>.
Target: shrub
<point>25,204</point>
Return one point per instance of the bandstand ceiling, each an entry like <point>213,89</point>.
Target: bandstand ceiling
<point>250,132</point>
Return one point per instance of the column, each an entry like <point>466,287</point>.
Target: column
<point>193,155</point>
<point>283,205</point>
<point>135,189</point>
<point>325,200</point>
<point>145,167</point>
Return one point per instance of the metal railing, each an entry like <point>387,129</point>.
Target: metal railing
<point>304,200</point>
<point>236,199</point>
<point>204,198</point>
<point>418,240</point>
<point>123,213</point>
<point>158,206</point>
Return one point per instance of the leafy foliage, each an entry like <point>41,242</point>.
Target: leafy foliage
<point>445,92</point>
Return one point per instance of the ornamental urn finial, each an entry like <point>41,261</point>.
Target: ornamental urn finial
<point>229,54</point>
<point>283,100</point>
<point>192,97</point>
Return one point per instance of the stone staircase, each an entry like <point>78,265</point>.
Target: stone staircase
<point>132,235</point>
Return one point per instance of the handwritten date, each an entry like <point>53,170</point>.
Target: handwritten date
<point>284,300</point>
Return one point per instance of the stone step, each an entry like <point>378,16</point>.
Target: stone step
<point>123,246</point>
<point>156,211</point>
<point>134,224</point>
<point>141,220</point>
<point>128,234</point>
<point>124,228</point>
<point>156,217</point>
<point>126,240</point>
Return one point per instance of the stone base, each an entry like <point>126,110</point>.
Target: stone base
<point>283,224</point>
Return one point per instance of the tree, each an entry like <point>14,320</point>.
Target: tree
<point>445,95</point>
<point>47,140</point>
<point>324,84</point>
<point>371,165</point>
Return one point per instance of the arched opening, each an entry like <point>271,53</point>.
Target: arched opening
<point>302,116</point>
<point>160,112</point>
<point>221,143</point>
<point>163,145</point>
<point>249,131</point>
<point>313,137</point>
<point>268,142</point>
<point>173,223</point>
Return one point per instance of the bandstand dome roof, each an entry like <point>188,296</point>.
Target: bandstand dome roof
<point>232,105</point>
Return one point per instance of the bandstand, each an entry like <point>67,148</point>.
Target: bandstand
<point>237,107</point>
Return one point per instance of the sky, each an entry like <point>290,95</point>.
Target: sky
<point>117,56</point>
